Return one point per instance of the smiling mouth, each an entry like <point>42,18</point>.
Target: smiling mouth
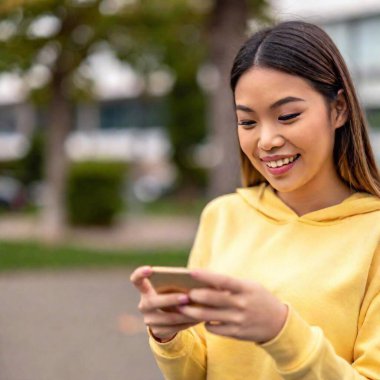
<point>282,162</point>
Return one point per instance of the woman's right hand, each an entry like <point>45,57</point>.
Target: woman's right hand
<point>159,310</point>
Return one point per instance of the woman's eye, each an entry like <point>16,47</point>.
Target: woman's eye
<point>289,116</point>
<point>247,123</point>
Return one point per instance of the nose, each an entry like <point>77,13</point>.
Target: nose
<point>270,138</point>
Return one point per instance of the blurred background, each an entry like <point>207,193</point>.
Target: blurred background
<point>116,128</point>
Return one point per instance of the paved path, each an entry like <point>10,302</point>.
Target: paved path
<point>72,325</point>
<point>80,325</point>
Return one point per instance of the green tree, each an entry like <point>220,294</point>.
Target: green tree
<point>208,31</point>
<point>138,32</point>
<point>227,28</point>
<point>58,36</point>
<point>149,34</point>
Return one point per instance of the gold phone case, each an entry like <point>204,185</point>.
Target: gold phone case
<point>173,279</point>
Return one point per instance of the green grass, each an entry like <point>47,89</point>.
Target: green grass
<point>175,207</point>
<point>31,255</point>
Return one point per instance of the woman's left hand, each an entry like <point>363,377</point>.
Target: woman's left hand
<point>236,308</point>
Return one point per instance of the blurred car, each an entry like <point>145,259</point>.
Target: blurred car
<point>12,193</point>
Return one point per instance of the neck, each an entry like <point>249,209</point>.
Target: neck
<point>312,198</point>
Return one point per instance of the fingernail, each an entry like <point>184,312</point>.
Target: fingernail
<point>147,270</point>
<point>183,299</point>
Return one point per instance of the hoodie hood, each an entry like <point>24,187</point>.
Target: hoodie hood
<point>264,200</point>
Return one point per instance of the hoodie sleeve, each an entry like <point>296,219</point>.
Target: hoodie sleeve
<point>184,357</point>
<point>303,352</point>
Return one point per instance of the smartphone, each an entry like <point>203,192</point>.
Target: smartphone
<point>173,280</point>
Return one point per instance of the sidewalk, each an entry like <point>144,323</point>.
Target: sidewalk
<point>81,324</point>
<point>71,325</point>
<point>143,232</point>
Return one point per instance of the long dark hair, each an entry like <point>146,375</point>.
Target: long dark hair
<point>305,50</point>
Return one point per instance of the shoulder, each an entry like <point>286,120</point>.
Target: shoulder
<point>367,208</point>
<point>226,200</point>
<point>227,209</point>
<point>224,204</point>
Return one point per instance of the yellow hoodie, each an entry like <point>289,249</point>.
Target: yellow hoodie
<point>325,265</point>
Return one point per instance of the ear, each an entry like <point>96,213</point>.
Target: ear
<point>339,110</point>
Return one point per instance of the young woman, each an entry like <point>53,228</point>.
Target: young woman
<point>292,259</point>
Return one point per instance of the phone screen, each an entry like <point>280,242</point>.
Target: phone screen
<point>173,279</point>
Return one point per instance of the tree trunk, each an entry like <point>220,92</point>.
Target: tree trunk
<point>226,34</point>
<point>58,128</point>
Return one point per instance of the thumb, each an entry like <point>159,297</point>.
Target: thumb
<point>139,279</point>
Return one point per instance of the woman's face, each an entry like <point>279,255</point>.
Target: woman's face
<point>286,129</point>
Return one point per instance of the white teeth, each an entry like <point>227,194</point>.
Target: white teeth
<point>279,163</point>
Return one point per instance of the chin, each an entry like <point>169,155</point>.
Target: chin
<point>284,187</point>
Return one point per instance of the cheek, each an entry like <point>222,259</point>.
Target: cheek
<point>318,142</point>
<point>246,143</point>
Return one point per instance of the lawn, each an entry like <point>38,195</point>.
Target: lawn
<point>170,206</point>
<point>32,255</point>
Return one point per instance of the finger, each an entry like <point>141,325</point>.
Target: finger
<point>218,281</point>
<point>221,329</point>
<point>167,331</point>
<point>139,279</point>
<point>205,314</point>
<point>160,301</point>
<point>213,298</point>
<point>167,319</point>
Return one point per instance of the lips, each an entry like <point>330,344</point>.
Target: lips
<point>279,161</point>
<point>281,169</point>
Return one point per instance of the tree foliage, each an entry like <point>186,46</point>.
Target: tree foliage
<point>56,38</point>
<point>61,34</point>
<point>148,34</point>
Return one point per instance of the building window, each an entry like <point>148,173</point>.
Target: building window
<point>340,34</point>
<point>367,45</point>
<point>133,113</point>
<point>8,122</point>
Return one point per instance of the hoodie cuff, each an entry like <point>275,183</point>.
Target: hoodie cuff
<point>296,345</point>
<point>176,347</point>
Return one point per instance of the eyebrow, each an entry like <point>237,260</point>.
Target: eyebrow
<point>276,104</point>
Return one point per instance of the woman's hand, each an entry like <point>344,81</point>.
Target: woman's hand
<point>164,325</point>
<point>236,308</point>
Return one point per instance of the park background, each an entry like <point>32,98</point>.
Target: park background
<point>116,128</point>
